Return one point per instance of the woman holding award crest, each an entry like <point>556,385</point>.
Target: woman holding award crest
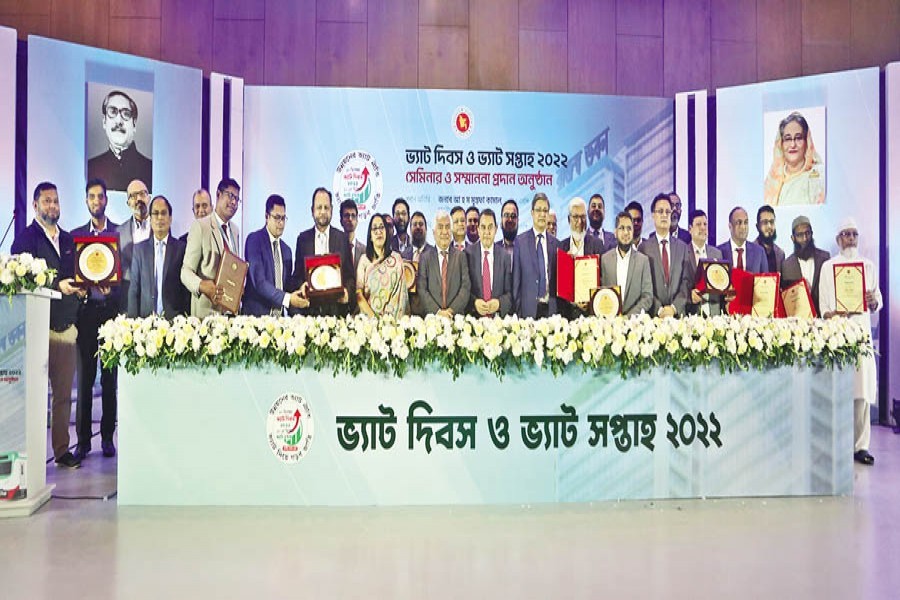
<point>381,288</point>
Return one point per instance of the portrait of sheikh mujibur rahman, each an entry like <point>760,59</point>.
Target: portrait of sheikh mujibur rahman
<point>121,163</point>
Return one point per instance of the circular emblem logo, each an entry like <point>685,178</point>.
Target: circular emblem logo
<point>463,125</point>
<point>358,178</point>
<point>290,427</point>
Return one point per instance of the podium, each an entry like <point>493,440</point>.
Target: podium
<point>24,344</point>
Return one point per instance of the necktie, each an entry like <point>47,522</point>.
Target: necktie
<point>276,252</point>
<point>697,257</point>
<point>665,260</point>
<point>486,277</point>
<point>444,258</point>
<point>225,237</point>
<point>160,258</point>
<point>542,267</point>
<point>740,262</point>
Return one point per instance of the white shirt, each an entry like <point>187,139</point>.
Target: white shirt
<point>95,231</point>
<point>321,242</point>
<point>232,245</point>
<point>734,254</point>
<point>286,301</point>
<point>622,263</point>
<point>576,250</point>
<point>140,231</point>
<point>546,296</point>
<point>54,240</point>
<point>699,252</point>
<point>808,270</point>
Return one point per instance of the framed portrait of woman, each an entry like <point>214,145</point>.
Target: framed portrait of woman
<point>794,149</point>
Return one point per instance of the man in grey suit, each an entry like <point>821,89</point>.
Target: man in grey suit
<point>702,304</point>
<point>737,250</point>
<point>349,220</point>
<point>596,215</point>
<point>157,288</point>
<point>669,262</point>
<point>627,268</point>
<point>489,271</point>
<point>765,226</point>
<point>534,265</point>
<point>579,243</point>
<point>207,241</point>
<point>443,281</point>
<point>806,261</point>
<point>133,231</point>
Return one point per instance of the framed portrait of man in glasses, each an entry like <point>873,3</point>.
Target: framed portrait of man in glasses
<point>119,135</point>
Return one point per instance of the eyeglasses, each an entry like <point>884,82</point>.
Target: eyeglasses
<point>663,212</point>
<point>136,195</point>
<point>378,228</point>
<point>233,197</point>
<point>510,215</point>
<point>279,218</point>
<point>112,112</point>
<point>159,213</point>
<point>797,138</point>
<point>849,234</point>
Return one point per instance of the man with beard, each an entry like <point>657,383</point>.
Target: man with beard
<point>596,214</point>
<point>101,305</point>
<point>349,220</point>
<point>321,239</point>
<point>472,220</point>
<point>458,228</point>
<point>400,241</point>
<point>44,239</point>
<point>865,385</point>
<point>636,211</point>
<point>509,226</point>
<point>418,226</point>
<point>629,269</point>
<point>682,234</point>
<point>765,225</point>
<point>207,241</point>
<point>552,223</point>
<point>579,243</point>
<point>121,162</point>
<point>806,261</point>
<point>133,231</point>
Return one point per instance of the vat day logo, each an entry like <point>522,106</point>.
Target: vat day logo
<point>358,178</point>
<point>290,427</point>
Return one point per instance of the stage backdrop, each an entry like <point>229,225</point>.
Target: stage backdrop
<point>7,135</point>
<point>66,126</point>
<point>438,149</point>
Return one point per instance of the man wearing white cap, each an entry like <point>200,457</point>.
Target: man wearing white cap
<point>865,386</point>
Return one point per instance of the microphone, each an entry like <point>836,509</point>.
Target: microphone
<point>11,221</point>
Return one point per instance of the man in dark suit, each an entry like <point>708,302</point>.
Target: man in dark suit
<point>269,290</point>
<point>489,271</point>
<point>737,250</point>
<point>534,265</point>
<point>349,215</point>
<point>675,228</point>
<point>579,243</point>
<point>133,231</point>
<point>156,286</point>
<point>629,269</point>
<point>806,261</point>
<point>442,282</point>
<point>121,162</point>
<point>509,227</point>
<point>320,239</point>
<point>669,262</point>
<point>418,231</point>
<point>765,226</point>
<point>100,305</point>
<point>596,215</point>
<point>46,240</point>
<point>400,241</point>
<point>702,304</point>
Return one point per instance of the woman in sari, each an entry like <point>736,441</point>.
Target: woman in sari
<point>380,286</point>
<point>797,175</point>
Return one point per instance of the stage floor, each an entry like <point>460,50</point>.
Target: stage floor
<point>832,547</point>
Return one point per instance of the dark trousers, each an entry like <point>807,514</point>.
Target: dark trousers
<point>90,318</point>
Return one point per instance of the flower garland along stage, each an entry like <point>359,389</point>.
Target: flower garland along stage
<point>23,272</point>
<point>352,345</point>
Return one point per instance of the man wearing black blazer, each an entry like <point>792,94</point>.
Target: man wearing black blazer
<point>153,292</point>
<point>438,295</point>
<point>579,243</point>
<point>495,299</point>
<point>322,238</point>
<point>534,265</point>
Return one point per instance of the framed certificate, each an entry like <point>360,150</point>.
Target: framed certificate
<point>713,277</point>
<point>850,288</point>
<point>323,276</point>
<point>798,301</point>
<point>231,276</point>
<point>606,301</point>
<point>410,270</point>
<point>97,260</point>
<point>765,294</point>
<point>576,276</point>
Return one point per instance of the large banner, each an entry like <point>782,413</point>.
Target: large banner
<point>439,149</point>
<point>97,113</point>
<point>7,136</point>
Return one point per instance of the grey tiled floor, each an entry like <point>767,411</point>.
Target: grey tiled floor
<point>740,548</point>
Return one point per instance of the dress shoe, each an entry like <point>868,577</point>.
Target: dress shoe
<point>863,456</point>
<point>109,449</point>
<point>68,461</point>
<point>81,452</point>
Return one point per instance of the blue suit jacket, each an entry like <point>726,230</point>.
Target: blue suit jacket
<point>142,291</point>
<point>260,294</point>
<point>525,274</point>
<point>754,259</point>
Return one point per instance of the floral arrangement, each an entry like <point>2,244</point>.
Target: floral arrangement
<point>387,345</point>
<point>23,272</point>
